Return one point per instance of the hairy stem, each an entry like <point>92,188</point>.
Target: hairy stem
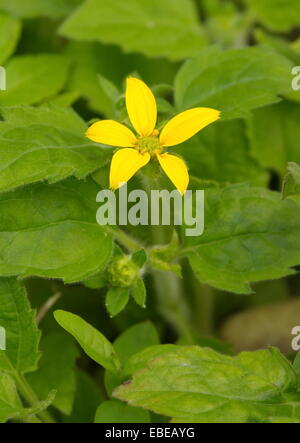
<point>30,396</point>
<point>126,240</point>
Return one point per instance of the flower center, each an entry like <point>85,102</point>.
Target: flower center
<point>149,144</point>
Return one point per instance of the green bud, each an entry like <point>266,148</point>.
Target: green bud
<point>123,272</point>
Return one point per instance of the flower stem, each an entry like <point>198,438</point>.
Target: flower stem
<point>126,240</point>
<point>30,396</point>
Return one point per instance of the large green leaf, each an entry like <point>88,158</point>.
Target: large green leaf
<point>155,28</point>
<point>56,371</point>
<point>94,344</point>
<point>50,231</point>
<point>35,8</point>
<point>10,29</point>
<point>250,235</point>
<point>193,384</point>
<point>234,81</point>
<point>222,152</point>
<point>10,404</point>
<point>46,143</point>
<point>22,336</point>
<point>274,133</point>
<point>33,78</point>
<point>114,411</point>
<point>278,15</point>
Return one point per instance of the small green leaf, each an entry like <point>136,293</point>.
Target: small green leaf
<point>10,30</point>
<point>56,371</point>
<point>109,88</point>
<point>31,79</point>
<point>196,385</point>
<point>46,143</point>
<point>119,23</point>
<point>135,339</point>
<point>234,81</point>
<point>116,300</point>
<point>251,234</point>
<point>114,411</point>
<point>94,344</point>
<point>51,231</point>
<point>22,336</point>
<point>139,293</point>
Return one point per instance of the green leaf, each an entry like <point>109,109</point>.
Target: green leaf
<point>297,363</point>
<point>94,344</point>
<point>140,258</point>
<point>10,30</point>
<point>33,78</point>
<point>174,25</point>
<point>88,60</point>
<point>36,8</point>
<point>131,342</point>
<point>291,183</point>
<point>97,281</point>
<point>274,133</point>
<point>114,411</point>
<point>86,400</point>
<point>277,15</point>
<point>250,235</point>
<point>46,143</point>
<point>116,300</point>
<point>10,405</point>
<point>22,336</point>
<point>50,231</point>
<point>194,385</point>
<point>222,152</point>
<point>65,100</point>
<point>110,89</point>
<point>139,293</point>
<point>135,339</point>
<point>56,371</point>
<point>279,44</point>
<point>234,82</point>
<point>140,359</point>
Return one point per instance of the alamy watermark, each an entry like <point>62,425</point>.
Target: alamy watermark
<point>2,339</point>
<point>296,340</point>
<point>296,79</point>
<point>161,208</point>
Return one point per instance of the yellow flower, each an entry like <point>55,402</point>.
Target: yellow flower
<point>149,142</point>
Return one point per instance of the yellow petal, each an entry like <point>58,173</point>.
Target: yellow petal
<point>125,163</point>
<point>185,125</point>
<point>141,106</point>
<point>176,170</point>
<point>111,133</point>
